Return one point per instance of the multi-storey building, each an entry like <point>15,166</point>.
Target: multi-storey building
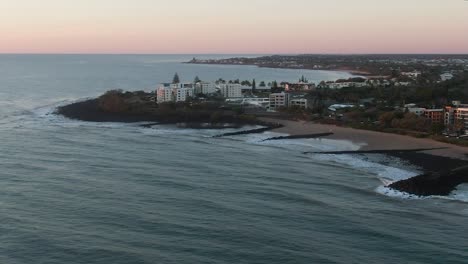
<point>301,102</point>
<point>299,87</point>
<point>175,92</point>
<point>435,115</point>
<point>456,117</point>
<point>164,94</point>
<point>230,90</point>
<point>278,100</point>
<point>205,88</point>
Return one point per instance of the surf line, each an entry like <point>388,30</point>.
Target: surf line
<point>382,151</point>
<point>307,136</point>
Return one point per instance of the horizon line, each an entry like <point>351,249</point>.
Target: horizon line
<point>248,53</point>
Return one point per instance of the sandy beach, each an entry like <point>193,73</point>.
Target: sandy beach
<point>371,140</point>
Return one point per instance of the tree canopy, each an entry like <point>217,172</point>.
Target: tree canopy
<point>176,78</point>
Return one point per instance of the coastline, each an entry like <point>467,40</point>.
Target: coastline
<point>441,156</point>
<point>439,161</point>
<point>90,110</point>
<point>349,71</point>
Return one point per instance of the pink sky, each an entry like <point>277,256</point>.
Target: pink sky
<point>229,26</point>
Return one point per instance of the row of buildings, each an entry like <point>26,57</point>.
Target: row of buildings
<point>454,117</point>
<point>233,92</point>
<point>181,92</point>
<point>381,82</point>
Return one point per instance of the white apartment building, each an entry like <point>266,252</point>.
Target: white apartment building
<point>230,90</point>
<point>164,94</point>
<point>301,102</point>
<point>182,94</point>
<point>278,100</point>
<point>205,88</point>
<point>174,92</point>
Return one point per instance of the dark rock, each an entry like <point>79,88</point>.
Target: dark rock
<point>433,183</point>
<point>319,135</point>
<point>252,131</point>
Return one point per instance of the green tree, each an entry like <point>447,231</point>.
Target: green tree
<point>437,128</point>
<point>196,80</point>
<point>274,84</point>
<point>176,78</point>
<point>459,126</point>
<point>254,86</point>
<point>386,119</point>
<point>246,83</point>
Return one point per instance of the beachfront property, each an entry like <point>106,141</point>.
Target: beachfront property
<point>230,90</point>
<point>174,92</point>
<point>180,92</point>
<point>435,115</point>
<point>456,117</point>
<point>298,87</point>
<point>262,89</point>
<point>250,102</point>
<point>278,100</point>
<point>205,88</point>
<point>299,102</point>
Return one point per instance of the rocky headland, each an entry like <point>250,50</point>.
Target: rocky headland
<point>128,107</point>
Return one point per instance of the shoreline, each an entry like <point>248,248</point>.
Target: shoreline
<point>433,156</point>
<point>372,140</point>
<point>351,72</point>
<point>439,161</point>
<point>444,167</point>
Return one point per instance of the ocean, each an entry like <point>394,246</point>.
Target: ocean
<point>81,192</point>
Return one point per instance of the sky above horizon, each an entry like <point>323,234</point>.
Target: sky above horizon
<point>234,26</point>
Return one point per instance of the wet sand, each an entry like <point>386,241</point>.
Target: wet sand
<point>371,140</point>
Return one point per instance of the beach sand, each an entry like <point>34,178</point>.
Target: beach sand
<point>371,140</point>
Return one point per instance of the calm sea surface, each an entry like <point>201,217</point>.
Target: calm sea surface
<point>78,192</point>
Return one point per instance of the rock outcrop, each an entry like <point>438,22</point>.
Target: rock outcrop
<point>433,183</point>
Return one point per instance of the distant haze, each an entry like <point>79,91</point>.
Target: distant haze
<point>234,26</point>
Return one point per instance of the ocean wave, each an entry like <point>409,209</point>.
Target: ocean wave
<point>202,133</point>
<point>386,168</point>
<point>384,190</point>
